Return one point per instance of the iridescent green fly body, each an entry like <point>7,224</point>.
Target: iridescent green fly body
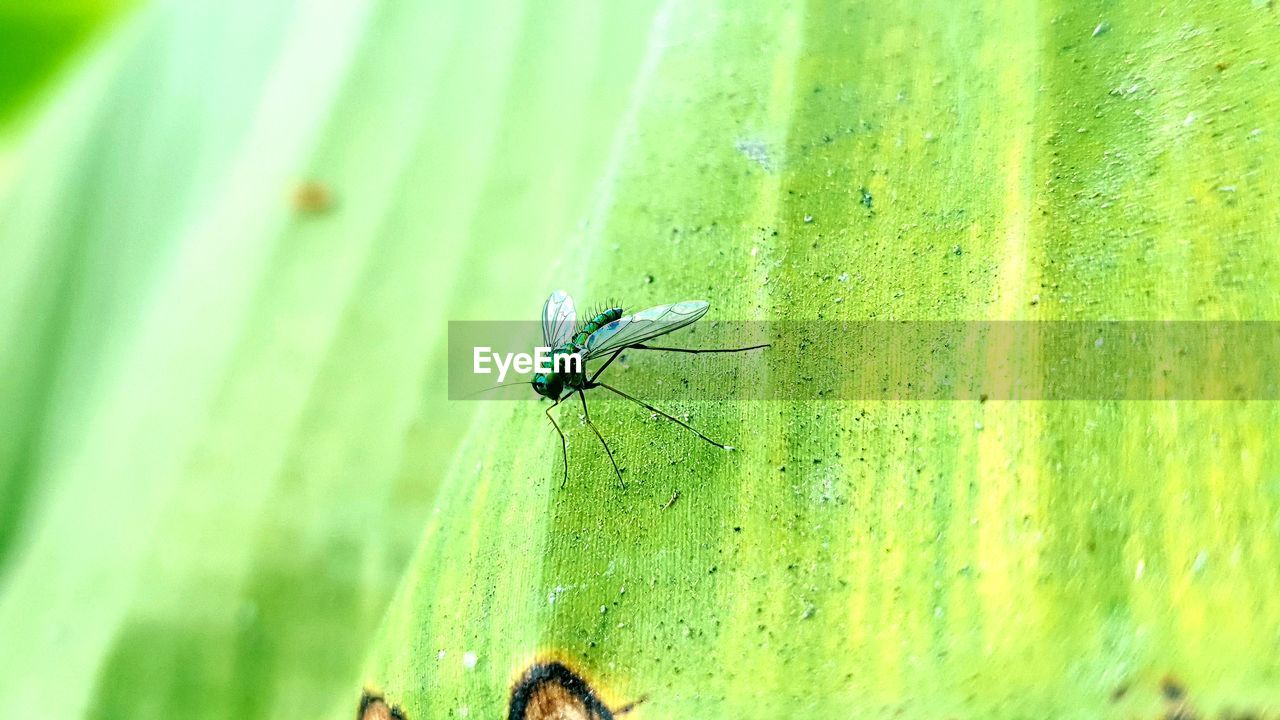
<point>605,336</point>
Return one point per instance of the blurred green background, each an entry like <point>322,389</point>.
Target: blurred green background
<point>38,39</point>
<point>232,234</point>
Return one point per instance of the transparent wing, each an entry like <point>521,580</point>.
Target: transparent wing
<point>646,324</point>
<point>558,319</point>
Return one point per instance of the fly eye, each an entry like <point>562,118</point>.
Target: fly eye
<point>540,383</point>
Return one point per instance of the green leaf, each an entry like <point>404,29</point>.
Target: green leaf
<point>38,39</point>
<point>924,559</point>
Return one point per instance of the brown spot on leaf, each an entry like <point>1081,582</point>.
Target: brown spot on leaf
<point>373,707</point>
<point>551,691</point>
<point>312,198</point>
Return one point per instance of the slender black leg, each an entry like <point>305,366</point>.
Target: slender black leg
<point>564,445</point>
<point>602,442</point>
<point>694,351</point>
<point>651,408</point>
<point>605,365</point>
<point>614,356</point>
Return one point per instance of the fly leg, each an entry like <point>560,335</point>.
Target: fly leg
<point>694,351</point>
<point>602,442</point>
<point>651,408</point>
<point>615,355</point>
<point>600,369</point>
<point>564,445</point>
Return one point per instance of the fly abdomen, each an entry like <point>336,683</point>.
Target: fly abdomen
<point>595,323</point>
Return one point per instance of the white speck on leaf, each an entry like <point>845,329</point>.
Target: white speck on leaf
<point>1202,560</point>
<point>469,660</point>
<point>756,151</point>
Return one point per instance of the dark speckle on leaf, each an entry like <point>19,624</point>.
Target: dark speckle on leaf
<point>1171,689</point>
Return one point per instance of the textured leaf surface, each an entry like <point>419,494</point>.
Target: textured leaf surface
<point>804,161</point>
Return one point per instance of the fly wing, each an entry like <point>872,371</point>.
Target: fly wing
<point>558,319</point>
<point>644,325</point>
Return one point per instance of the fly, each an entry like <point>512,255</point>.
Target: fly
<point>608,333</point>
